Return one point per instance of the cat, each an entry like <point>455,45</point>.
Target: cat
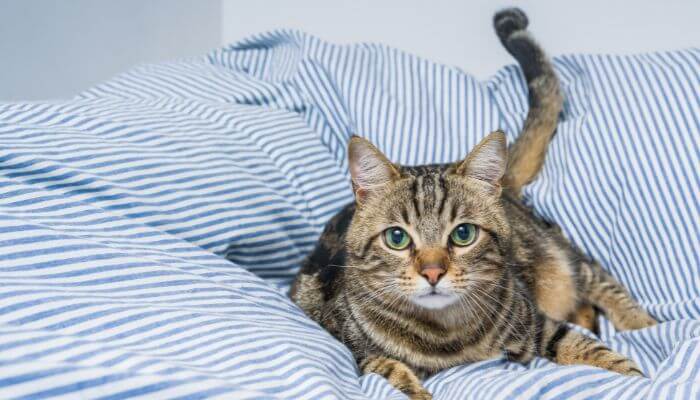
<point>438,265</point>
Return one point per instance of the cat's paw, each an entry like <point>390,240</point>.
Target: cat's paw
<point>399,375</point>
<point>625,366</point>
<point>607,359</point>
<point>576,348</point>
<point>635,371</point>
<point>420,394</point>
<point>508,21</point>
<point>635,320</point>
<point>615,362</point>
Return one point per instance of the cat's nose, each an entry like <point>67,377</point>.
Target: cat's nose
<point>432,273</point>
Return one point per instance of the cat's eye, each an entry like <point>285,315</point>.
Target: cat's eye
<point>396,238</point>
<point>463,235</point>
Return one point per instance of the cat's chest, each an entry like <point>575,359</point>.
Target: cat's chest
<point>419,343</point>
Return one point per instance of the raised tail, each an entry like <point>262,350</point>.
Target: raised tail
<point>527,154</point>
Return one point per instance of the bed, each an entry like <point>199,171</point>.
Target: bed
<point>150,227</point>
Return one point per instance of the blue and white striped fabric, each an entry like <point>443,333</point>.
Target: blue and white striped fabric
<point>149,227</point>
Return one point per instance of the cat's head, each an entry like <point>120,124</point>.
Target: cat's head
<point>428,236</point>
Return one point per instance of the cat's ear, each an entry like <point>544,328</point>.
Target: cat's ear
<point>369,168</point>
<point>487,161</point>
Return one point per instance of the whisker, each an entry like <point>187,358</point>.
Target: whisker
<point>360,267</point>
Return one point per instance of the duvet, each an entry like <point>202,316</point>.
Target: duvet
<point>150,227</point>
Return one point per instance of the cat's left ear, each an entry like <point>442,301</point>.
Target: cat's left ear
<point>369,168</point>
<point>487,161</point>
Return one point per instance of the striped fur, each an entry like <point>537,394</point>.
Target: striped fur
<point>508,293</point>
<point>515,285</point>
<point>545,101</point>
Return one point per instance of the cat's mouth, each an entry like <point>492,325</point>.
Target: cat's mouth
<point>434,300</point>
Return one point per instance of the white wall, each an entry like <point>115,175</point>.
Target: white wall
<point>458,32</point>
<point>56,48</point>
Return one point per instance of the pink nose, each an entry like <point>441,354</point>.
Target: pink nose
<point>432,273</point>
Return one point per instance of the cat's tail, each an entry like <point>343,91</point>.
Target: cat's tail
<point>527,153</point>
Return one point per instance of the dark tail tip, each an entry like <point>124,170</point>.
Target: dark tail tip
<point>508,21</point>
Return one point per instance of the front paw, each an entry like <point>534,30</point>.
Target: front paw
<point>399,375</point>
<point>605,358</point>
<point>622,365</point>
<point>420,394</point>
<point>406,381</point>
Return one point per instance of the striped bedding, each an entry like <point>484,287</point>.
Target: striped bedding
<point>150,226</point>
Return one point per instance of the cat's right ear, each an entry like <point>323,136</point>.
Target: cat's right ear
<point>370,170</point>
<point>487,161</point>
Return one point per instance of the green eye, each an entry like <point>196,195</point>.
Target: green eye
<point>463,235</point>
<point>396,238</point>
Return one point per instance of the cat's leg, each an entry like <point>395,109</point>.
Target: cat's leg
<point>559,343</point>
<point>586,316</point>
<point>602,290</point>
<point>399,375</point>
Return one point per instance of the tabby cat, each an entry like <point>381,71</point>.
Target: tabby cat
<point>438,265</point>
